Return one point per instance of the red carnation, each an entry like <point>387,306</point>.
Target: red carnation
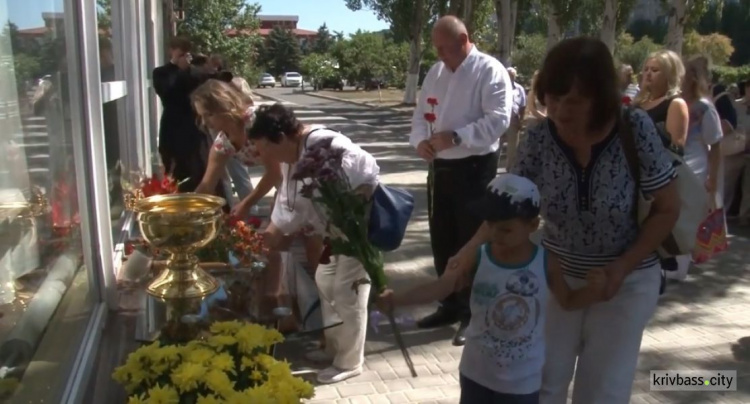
<point>232,221</point>
<point>430,117</point>
<point>626,100</point>
<point>254,222</point>
<point>432,101</point>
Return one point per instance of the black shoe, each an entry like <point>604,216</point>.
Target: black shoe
<point>459,339</point>
<point>438,319</point>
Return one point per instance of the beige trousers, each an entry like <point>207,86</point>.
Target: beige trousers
<point>338,302</point>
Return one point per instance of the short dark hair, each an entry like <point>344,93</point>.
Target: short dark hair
<point>181,43</point>
<point>273,123</point>
<point>587,63</point>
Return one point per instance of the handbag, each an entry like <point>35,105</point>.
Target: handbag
<point>389,215</point>
<point>390,212</point>
<point>712,237</point>
<point>692,194</point>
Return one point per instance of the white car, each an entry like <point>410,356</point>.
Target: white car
<point>291,79</point>
<point>266,80</point>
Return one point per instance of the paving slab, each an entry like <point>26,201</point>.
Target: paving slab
<point>700,323</point>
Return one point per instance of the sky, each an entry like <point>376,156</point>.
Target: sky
<point>312,13</point>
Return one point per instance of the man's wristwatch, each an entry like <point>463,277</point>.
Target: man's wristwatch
<point>456,139</point>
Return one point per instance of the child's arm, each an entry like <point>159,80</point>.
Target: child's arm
<point>452,280</point>
<point>592,293</point>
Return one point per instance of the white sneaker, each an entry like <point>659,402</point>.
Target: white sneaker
<point>319,356</point>
<point>335,375</point>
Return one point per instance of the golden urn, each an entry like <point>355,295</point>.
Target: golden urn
<point>180,224</point>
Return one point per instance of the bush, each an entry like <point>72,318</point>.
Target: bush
<point>634,53</point>
<point>730,74</point>
<point>717,47</point>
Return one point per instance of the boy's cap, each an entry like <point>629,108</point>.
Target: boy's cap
<point>509,196</point>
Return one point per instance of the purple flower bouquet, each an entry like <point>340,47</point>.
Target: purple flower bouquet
<point>346,210</point>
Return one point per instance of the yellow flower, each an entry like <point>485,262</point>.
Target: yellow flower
<point>226,327</point>
<point>223,361</point>
<point>273,337</point>
<point>163,395</point>
<point>136,400</point>
<point>219,382</point>
<point>251,337</point>
<point>221,340</point>
<point>187,376</point>
<point>256,375</point>
<point>200,355</point>
<point>247,362</point>
<point>256,395</point>
<point>209,399</point>
<point>265,360</point>
<point>169,353</point>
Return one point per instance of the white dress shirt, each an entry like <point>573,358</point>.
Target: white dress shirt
<point>293,212</point>
<point>475,101</point>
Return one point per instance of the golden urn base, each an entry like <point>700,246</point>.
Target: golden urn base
<point>183,278</point>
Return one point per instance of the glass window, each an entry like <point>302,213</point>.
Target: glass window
<point>44,287</point>
<point>121,172</point>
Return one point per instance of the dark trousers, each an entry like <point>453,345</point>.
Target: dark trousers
<point>457,184</point>
<point>474,393</point>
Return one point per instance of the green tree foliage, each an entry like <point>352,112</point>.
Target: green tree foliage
<point>281,51</point>
<point>317,66</point>
<point>528,55</point>
<point>634,53</point>
<point>717,47</point>
<point>224,27</point>
<point>323,41</point>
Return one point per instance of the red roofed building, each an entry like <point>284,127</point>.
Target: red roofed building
<point>269,22</point>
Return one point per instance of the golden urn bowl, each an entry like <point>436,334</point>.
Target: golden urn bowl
<point>180,224</point>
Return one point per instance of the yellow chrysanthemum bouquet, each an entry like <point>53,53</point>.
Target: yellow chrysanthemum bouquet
<point>230,365</point>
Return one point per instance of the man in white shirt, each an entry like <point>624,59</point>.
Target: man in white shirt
<point>471,97</point>
<point>519,109</point>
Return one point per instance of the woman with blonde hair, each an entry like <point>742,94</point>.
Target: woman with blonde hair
<point>702,147</point>
<point>224,109</point>
<point>662,76</point>
<point>535,112</point>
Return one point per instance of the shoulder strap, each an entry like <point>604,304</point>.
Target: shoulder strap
<point>307,136</point>
<point>627,138</point>
<point>720,95</point>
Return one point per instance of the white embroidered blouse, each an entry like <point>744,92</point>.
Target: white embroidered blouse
<point>248,153</point>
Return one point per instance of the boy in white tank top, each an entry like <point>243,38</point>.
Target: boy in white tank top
<point>504,352</point>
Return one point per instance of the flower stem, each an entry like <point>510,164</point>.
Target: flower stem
<point>401,344</point>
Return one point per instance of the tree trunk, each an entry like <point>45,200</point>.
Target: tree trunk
<point>507,13</point>
<point>415,54</point>
<point>455,7</point>
<point>467,13</point>
<point>554,28</point>
<point>677,20</point>
<point>609,24</point>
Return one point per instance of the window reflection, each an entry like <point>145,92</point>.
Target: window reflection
<point>40,235</point>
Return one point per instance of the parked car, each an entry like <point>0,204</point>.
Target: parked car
<point>266,80</point>
<point>372,84</point>
<point>291,79</point>
<point>335,82</point>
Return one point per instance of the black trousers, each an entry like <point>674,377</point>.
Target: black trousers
<point>457,184</point>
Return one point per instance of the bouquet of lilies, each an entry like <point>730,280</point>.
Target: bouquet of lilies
<point>346,210</point>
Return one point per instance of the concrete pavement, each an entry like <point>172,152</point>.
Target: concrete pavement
<point>699,324</point>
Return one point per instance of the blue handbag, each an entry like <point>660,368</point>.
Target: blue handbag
<point>389,216</point>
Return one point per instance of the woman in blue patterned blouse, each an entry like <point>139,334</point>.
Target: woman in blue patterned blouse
<point>576,159</point>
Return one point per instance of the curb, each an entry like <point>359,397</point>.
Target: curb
<point>267,97</point>
<point>347,101</point>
